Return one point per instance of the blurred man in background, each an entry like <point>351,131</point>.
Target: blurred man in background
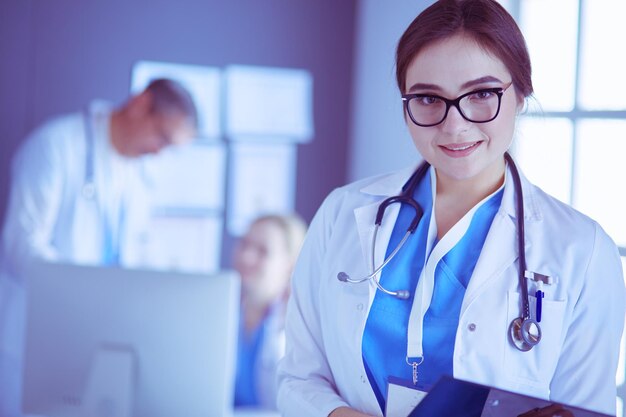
<point>78,196</point>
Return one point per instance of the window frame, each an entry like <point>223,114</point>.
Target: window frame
<point>575,115</point>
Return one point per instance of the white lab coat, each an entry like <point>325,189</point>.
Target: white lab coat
<point>49,218</point>
<point>583,313</point>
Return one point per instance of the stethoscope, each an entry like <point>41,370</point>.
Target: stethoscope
<point>524,331</point>
<point>89,185</point>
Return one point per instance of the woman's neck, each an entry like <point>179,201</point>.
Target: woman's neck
<point>455,198</point>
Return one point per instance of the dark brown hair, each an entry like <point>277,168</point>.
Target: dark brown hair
<point>485,21</point>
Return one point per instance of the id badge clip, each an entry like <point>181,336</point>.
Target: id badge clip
<point>403,396</point>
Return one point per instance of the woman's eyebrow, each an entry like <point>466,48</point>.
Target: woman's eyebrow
<point>481,80</point>
<point>424,86</point>
<point>466,85</point>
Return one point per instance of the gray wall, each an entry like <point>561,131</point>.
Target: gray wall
<point>380,139</point>
<point>55,56</point>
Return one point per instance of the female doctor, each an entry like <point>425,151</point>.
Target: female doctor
<point>499,283</point>
<point>264,259</point>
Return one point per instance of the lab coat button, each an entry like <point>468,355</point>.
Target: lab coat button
<point>363,379</point>
<point>471,327</point>
<point>359,306</point>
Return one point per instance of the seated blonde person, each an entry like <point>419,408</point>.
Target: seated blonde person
<point>264,258</point>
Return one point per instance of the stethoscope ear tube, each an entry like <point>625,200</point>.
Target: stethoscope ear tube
<point>401,199</point>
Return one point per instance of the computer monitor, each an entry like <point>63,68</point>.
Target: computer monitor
<point>111,342</point>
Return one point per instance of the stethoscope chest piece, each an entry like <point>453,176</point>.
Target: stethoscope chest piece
<point>524,333</point>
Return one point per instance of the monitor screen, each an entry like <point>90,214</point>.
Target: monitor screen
<point>114,342</point>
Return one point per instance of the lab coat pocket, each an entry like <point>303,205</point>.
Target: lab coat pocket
<point>535,368</point>
<point>352,313</point>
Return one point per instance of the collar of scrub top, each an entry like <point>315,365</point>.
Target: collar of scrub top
<point>426,283</point>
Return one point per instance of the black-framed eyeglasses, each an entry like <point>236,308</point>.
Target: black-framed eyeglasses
<point>478,106</point>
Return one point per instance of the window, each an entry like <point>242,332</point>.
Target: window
<point>572,140</point>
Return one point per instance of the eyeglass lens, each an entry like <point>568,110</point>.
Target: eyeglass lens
<point>480,106</point>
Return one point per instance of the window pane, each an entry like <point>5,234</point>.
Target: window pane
<point>543,148</point>
<point>506,4</point>
<point>600,191</point>
<point>621,366</point>
<point>620,378</point>
<point>552,50</point>
<point>603,62</point>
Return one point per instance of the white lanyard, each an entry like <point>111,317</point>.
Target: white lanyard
<point>426,284</point>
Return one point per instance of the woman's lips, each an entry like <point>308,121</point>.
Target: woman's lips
<point>459,150</point>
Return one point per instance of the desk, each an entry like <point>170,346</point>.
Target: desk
<point>239,412</point>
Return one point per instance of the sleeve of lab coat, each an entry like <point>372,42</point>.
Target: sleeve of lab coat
<point>34,201</point>
<point>304,376</point>
<point>591,345</point>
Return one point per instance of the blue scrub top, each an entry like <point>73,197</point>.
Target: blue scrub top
<point>384,345</point>
<point>248,351</point>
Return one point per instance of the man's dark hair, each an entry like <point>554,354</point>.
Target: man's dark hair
<point>169,96</point>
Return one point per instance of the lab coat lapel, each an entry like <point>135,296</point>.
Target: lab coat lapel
<point>365,217</point>
<point>498,253</point>
<point>500,249</point>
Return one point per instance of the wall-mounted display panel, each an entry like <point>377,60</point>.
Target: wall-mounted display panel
<point>268,103</point>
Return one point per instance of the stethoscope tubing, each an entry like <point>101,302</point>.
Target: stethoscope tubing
<point>89,186</point>
<point>346,278</point>
<point>521,329</point>
<point>521,241</point>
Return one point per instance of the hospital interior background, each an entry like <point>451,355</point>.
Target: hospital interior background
<point>338,57</point>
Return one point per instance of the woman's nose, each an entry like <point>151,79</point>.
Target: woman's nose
<point>454,121</point>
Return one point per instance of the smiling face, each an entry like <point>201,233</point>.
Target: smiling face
<point>264,262</point>
<point>461,150</point>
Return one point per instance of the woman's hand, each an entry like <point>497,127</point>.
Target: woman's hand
<point>549,411</point>
<point>347,412</point>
